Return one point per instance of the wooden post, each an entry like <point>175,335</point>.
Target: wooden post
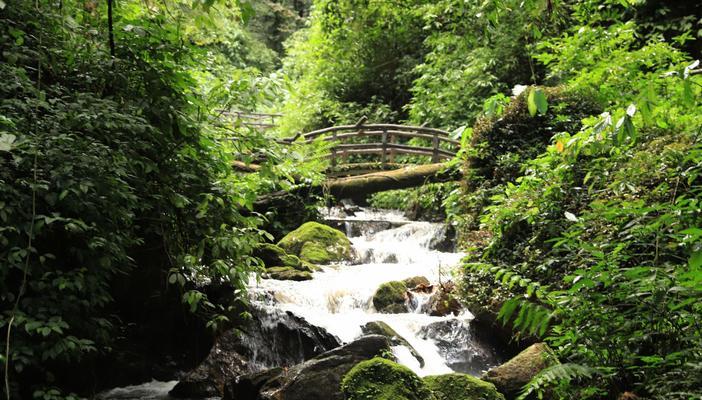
<point>393,140</point>
<point>435,145</point>
<point>333,151</point>
<point>383,157</point>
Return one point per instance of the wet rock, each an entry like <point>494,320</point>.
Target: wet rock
<point>444,240</point>
<point>391,298</point>
<point>271,255</point>
<point>316,379</point>
<point>379,378</point>
<point>281,338</point>
<point>443,302</point>
<point>248,386</point>
<point>515,373</point>
<point>381,328</point>
<point>287,274</point>
<point>460,346</point>
<point>416,282</point>
<point>270,338</point>
<point>461,387</point>
<point>222,364</point>
<point>274,256</point>
<point>317,243</point>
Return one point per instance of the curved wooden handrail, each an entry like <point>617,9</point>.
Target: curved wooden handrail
<point>381,127</point>
<point>410,134</point>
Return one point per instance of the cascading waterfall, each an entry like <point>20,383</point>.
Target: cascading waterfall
<point>388,248</point>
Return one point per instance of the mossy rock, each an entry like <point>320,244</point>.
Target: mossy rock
<point>381,379</point>
<point>288,274</point>
<point>461,387</point>
<point>270,254</point>
<point>390,298</point>
<point>383,329</point>
<point>509,377</point>
<point>308,266</point>
<point>317,243</point>
<point>415,281</point>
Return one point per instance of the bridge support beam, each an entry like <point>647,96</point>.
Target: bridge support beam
<point>358,187</point>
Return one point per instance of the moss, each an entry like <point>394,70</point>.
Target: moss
<point>381,379</point>
<point>270,254</point>
<point>316,253</point>
<point>290,260</point>
<point>390,297</point>
<point>461,387</point>
<point>317,243</point>
<point>288,274</point>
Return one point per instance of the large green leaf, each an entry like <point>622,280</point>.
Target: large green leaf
<point>537,102</point>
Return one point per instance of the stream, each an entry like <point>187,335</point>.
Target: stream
<point>339,299</point>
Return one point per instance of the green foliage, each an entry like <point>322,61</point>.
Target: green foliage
<point>355,58</point>
<point>431,202</point>
<point>597,221</point>
<point>113,169</point>
<point>558,373</point>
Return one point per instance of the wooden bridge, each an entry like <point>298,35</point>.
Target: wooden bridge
<point>384,140</point>
<point>368,158</point>
<point>388,141</point>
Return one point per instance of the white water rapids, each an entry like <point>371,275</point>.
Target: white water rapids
<point>339,297</point>
<point>388,247</point>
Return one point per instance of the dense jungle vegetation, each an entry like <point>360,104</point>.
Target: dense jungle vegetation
<point>122,220</point>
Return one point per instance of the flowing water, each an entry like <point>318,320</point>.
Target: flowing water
<point>388,247</point>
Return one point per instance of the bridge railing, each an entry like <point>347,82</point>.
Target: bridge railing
<point>255,120</point>
<point>388,145</point>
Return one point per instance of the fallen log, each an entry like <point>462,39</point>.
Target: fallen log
<point>356,187</point>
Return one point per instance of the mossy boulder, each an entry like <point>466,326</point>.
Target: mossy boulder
<point>271,254</point>
<point>390,298</point>
<point>317,243</point>
<point>381,379</point>
<point>509,377</point>
<point>288,274</point>
<point>461,387</point>
<point>383,329</point>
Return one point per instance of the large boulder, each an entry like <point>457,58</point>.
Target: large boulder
<point>458,344</point>
<point>517,372</point>
<point>317,243</point>
<point>381,328</point>
<point>461,387</point>
<point>222,364</point>
<point>391,298</point>
<point>316,379</point>
<point>271,337</point>
<point>381,379</point>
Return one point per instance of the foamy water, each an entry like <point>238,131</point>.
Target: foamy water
<point>339,298</point>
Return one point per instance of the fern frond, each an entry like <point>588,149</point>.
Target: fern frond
<point>555,374</point>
